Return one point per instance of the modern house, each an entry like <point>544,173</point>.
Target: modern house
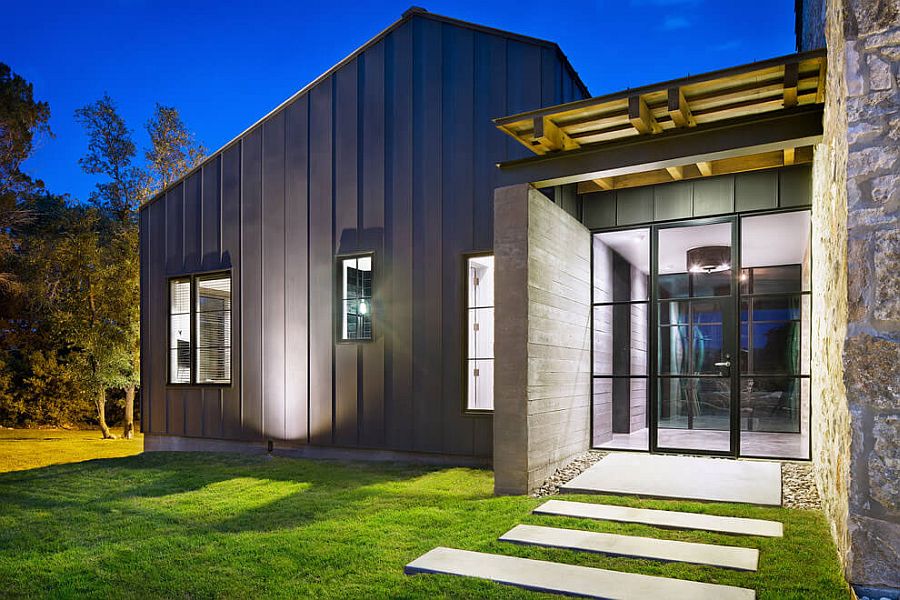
<point>445,249</point>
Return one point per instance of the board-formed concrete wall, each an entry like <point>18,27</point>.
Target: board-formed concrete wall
<point>542,339</point>
<point>856,290</point>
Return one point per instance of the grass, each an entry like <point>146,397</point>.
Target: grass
<point>219,525</point>
<point>31,448</point>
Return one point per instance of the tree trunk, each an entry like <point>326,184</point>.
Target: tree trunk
<point>100,403</point>
<point>128,432</point>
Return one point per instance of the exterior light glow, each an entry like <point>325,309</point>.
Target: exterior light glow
<point>363,308</point>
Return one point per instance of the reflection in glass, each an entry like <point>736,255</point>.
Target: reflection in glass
<point>214,329</point>
<point>770,404</point>
<point>621,329</point>
<point>774,335</point>
<point>356,298</point>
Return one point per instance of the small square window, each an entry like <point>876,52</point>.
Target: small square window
<point>355,297</point>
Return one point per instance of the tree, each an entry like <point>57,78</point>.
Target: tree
<point>21,120</point>
<point>111,153</point>
<point>173,149</point>
<point>84,289</point>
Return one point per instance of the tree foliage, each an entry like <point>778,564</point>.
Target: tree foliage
<point>120,191</point>
<point>22,118</point>
<point>69,333</point>
<point>110,154</point>
<point>173,149</point>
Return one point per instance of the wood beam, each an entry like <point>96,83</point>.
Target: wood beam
<point>820,87</point>
<point>705,168</point>
<point>679,110</point>
<point>550,136</point>
<point>677,173</point>
<point>739,164</point>
<point>605,183</point>
<point>791,79</point>
<point>788,129</point>
<point>789,156</point>
<point>640,116</point>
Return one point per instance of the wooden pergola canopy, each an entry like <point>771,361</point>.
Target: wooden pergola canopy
<point>778,84</point>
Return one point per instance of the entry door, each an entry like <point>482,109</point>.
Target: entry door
<point>693,306</point>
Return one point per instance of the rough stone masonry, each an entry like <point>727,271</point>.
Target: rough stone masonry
<point>856,288</point>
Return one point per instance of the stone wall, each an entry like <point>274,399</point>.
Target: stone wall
<point>542,338</point>
<point>856,290</point>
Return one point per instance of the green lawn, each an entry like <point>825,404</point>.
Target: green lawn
<point>29,448</point>
<point>204,525</point>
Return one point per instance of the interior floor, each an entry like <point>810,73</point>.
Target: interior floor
<point>753,443</point>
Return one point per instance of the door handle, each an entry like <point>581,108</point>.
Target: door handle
<point>727,363</point>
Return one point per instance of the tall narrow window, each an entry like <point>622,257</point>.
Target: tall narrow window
<point>180,331</point>
<point>214,329</point>
<point>200,330</point>
<point>480,328</point>
<point>356,298</point>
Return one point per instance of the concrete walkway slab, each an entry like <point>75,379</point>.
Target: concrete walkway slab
<point>687,477</point>
<point>662,518</point>
<point>573,580</point>
<point>730,557</point>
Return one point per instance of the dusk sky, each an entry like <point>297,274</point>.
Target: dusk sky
<point>226,64</point>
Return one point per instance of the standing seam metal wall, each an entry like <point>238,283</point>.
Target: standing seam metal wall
<point>393,153</point>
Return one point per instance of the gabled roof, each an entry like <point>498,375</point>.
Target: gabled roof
<point>408,15</point>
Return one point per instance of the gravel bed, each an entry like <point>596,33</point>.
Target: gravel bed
<point>565,474</point>
<point>798,488</point>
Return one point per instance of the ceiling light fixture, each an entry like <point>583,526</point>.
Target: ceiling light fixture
<point>709,259</point>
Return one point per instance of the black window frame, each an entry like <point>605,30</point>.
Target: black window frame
<point>193,279</point>
<point>339,298</point>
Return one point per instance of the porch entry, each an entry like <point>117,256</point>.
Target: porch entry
<point>701,336</point>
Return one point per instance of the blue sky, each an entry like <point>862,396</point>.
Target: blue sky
<point>225,64</point>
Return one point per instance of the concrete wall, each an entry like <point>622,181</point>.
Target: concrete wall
<point>542,338</point>
<point>856,290</point>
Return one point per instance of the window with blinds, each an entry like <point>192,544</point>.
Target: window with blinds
<point>180,330</point>
<point>200,329</point>
<point>213,329</point>
<point>356,298</point>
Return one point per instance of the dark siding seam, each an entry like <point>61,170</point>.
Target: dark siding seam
<point>309,201</point>
<point>334,144</point>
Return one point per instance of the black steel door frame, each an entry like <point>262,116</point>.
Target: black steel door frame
<point>731,340</point>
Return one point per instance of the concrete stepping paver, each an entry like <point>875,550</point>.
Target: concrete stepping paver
<point>569,579</point>
<point>662,518</point>
<point>689,477</point>
<point>732,557</point>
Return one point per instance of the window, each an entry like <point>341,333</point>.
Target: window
<point>200,329</point>
<point>180,331</point>
<point>356,298</point>
<point>480,333</point>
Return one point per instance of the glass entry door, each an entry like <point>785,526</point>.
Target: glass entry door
<point>693,306</point>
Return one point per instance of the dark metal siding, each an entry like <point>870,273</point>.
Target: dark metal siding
<point>393,154</point>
